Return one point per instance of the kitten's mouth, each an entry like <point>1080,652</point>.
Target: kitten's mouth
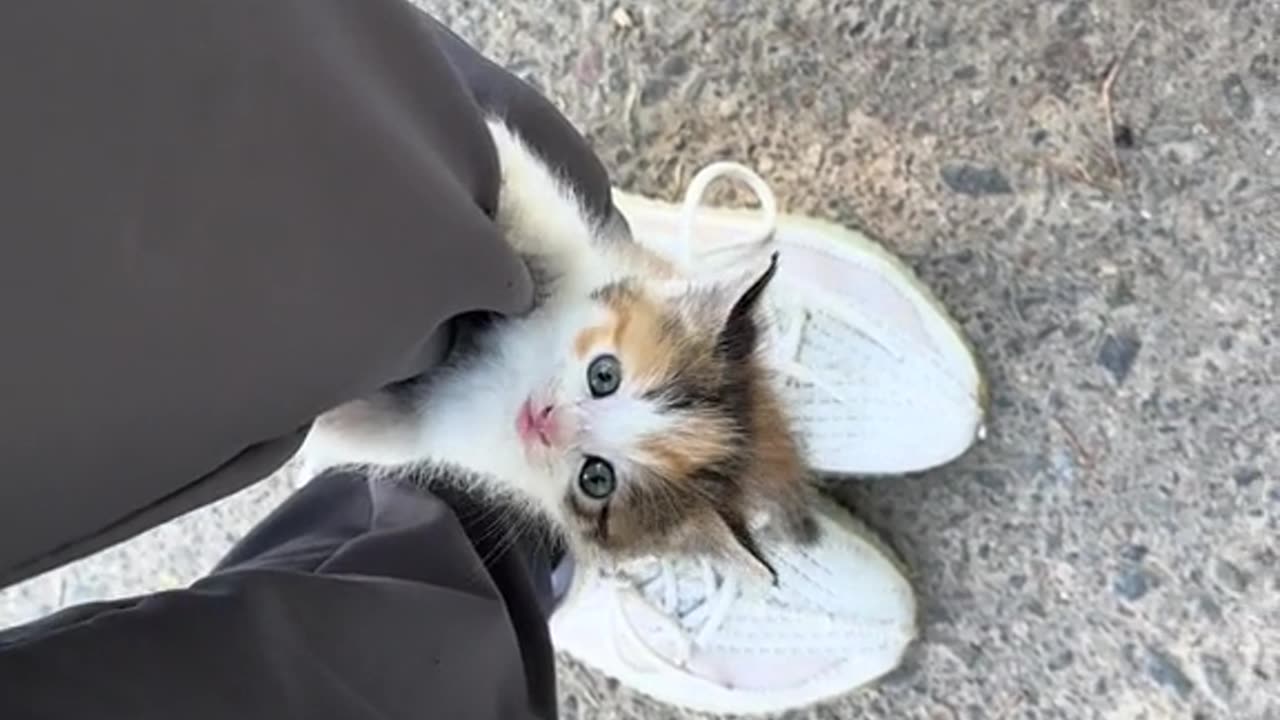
<point>537,425</point>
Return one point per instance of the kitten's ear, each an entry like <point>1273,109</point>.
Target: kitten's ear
<point>741,329</point>
<point>738,543</point>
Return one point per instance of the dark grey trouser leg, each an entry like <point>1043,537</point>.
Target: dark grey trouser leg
<point>218,219</point>
<point>353,601</point>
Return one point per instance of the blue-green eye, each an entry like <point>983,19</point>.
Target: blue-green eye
<point>604,375</point>
<point>596,479</point>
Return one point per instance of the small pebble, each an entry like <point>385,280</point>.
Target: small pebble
<point>1245,477</point>
<point>1231,576</point>
<point>1210,608</point>
<point>675,66</point>
<point>654,91</point>
<point>1135,553</point>
<point>1061,661</point>
<point>622,18</point>
<point>1262,68</point>
<point>1238,98</point>
<point>1118,354</point>
<point>1121,293</point>
<point>937,38</point>
<point>1167,672</point>
<point>1132,584</point>
<point>1124,138</point>
<point>1217,675</point>
<point>975,180</point>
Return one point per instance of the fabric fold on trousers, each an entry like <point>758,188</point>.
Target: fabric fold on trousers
<point>355,599</point>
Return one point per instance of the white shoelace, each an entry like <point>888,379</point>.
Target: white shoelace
<point>692,619</point>
<point>761,241</point>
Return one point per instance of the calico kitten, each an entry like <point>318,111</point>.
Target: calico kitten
<point>629,407</point>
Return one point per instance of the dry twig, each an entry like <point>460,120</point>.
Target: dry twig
<point>1108,82</point>
<point>1086,460</point>
<point>629,111</point>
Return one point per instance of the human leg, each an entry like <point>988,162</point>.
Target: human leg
<point>221,219</point>
<point>354,599</point>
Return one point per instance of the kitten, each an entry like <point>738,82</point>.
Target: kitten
<point>629,407</point>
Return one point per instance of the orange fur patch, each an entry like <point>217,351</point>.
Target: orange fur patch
<point>633,329</point>
<point>594,337</point>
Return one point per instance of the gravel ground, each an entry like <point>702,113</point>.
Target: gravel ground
<point>1113,249</point>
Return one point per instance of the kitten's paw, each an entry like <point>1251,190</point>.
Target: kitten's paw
<point>380,429</point>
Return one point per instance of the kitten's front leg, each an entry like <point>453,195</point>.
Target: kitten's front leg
<point>379,430</point>
<point>544,218</point>
<point>538,210</point>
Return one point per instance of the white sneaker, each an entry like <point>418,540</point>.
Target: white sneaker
<point>686,634</point>
<point>880,378</point>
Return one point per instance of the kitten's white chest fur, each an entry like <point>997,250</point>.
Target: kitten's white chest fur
<point>627,407</point>
<point>466,417</point>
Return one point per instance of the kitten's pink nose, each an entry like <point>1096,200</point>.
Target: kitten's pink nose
<point>538,424</point>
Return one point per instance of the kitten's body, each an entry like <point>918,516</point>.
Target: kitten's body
<point>693,435</point>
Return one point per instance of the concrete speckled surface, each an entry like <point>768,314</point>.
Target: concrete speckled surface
<point>1113,550</point>
<point>166,557</point>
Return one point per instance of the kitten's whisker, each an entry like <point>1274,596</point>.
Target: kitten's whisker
<point>493,539</point>
<point>497,519</point>
<point>516,529</point>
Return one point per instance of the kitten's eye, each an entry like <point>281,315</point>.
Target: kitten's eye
<point>604,375</point>
<point>597,479</point>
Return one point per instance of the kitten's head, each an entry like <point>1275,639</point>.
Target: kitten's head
<point>661,426</point>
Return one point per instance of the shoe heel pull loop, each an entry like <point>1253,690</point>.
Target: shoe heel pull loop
<point>697,189</point>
